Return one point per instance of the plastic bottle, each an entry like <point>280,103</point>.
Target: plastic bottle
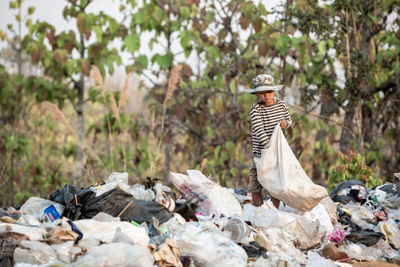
<point>238,228</point>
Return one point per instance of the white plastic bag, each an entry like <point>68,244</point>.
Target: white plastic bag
<point>117,254</point>
<point>34,233</point>
<point>211,198</point>
<point>280,173</point>
<point>34,252</point>
<point>208,246</point>
<point>105,231</point>
<point>118,177</point>
<point>35,206</point>
<point>306,233</point>
<point>318,213</point>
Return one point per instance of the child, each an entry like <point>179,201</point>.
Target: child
<point>264,116</point>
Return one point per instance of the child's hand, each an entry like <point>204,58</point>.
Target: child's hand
<point>283,124</point>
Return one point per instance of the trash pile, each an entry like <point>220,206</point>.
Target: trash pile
<point>200,224</point>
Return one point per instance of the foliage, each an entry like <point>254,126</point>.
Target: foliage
<point>352,166</point>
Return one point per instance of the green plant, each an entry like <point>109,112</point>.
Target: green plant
<point>352,166</point>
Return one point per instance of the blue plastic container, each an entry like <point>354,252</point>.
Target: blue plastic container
<point>51,214</point>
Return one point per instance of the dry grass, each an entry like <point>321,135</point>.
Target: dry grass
<point>124,94</point>
<point>98,79</point>
<point>173,82</point>
<point>58,115</point>
<point>114,108</point>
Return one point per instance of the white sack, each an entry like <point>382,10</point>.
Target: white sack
<point>280,173</point>
<point>211,198</point>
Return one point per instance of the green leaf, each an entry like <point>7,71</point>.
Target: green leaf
<point>185,12</point>
<point>138,17</point>
<point>216,152</point>
<point>282,43</point>
<point>132,42</point>
<point>99,33</point>
<point>113,26</point>
<point>232,86</point>
<point>212,51</point>
<point>143,61</point>
<point>185,39</point>
<point>93,93</point>
<point>31,9</point>
<point>231,148</point>
<point>164,61</point>
<point>322,47</point>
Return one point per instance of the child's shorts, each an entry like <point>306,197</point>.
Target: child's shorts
<point>254,185</point>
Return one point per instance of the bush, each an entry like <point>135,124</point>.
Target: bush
<point>352,166</point>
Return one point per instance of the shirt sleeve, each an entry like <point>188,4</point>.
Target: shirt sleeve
<point>257,126</point>
<point>287,116</point>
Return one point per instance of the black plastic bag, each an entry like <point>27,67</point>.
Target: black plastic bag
<point>349,191</point>
<point>365,237</point>
<point>118,202</point>
<point>73,199</point>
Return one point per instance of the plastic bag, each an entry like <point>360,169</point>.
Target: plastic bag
<point>315,260</point>
<point>34,233</point>
<point>279,172</point>
<point>211,198</point>
<point>35,252</point>
<point>349,191</point>
<point>35,206</point>
<point>117,254</point>
<point>208,246</point>
<point>118,202</point>
<point>306,233</point>
<point>105,231</point>
<point>318,213</point>
<point>118,177</point>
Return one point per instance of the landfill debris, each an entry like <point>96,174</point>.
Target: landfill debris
<point>36,206</point>
<point>208,246</point>
<point>238,229</point>
<point>349,191</point>
<point>167,254</point>
<point>117,254</point>
<point>330,251</point>
<point>211,198</point>
<point>35,252</point>
<point>119,203</point>
<point>105,231</point>
<point>204,224</point>
<point>337,236</point>
<point>8,242</point>
<point>315,260</point>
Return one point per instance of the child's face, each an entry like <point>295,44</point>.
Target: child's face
<point>266,96</point>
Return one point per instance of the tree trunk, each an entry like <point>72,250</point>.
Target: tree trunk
<point>80,119</point>
<point>347,135</point>
<point>80,130</point>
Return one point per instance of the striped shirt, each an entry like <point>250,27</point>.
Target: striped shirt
<point>263,121</point>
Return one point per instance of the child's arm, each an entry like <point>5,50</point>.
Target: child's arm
<point>287,116</point>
